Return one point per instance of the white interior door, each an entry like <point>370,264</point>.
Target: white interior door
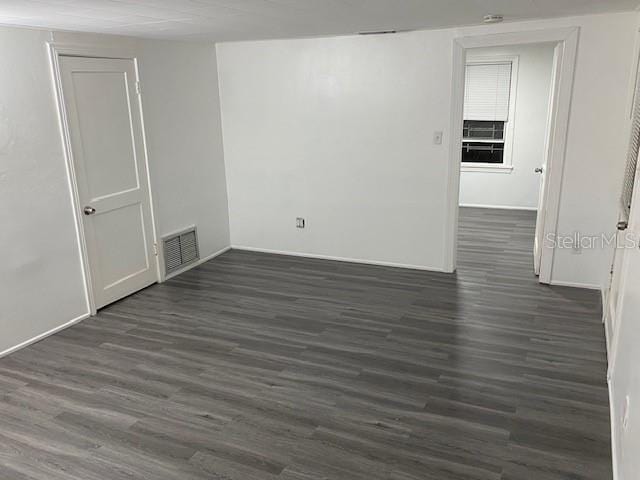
<point>616,285</point>
<point>538,242</point>
<point>624,286</point>
<point>621,313</point>
<point>105,127</point>
<point>623,351</point>
<point>623,237</point>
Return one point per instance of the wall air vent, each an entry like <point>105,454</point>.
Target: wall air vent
<point>378,32</point>
<point>180,249</point>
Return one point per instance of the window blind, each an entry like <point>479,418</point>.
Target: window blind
<point>487,91</point>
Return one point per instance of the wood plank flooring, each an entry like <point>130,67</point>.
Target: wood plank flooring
<point>256,366</point>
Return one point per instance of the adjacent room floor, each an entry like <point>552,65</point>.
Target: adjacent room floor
<point>256,366</point>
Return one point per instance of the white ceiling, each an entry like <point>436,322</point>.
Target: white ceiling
<point>221,20</point>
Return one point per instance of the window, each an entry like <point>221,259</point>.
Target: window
<point>483,130</point>
<point>487,111</point>
<point>483,142</point>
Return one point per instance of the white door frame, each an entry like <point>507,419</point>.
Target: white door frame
<point>56,50</point>
<point>567,38</point>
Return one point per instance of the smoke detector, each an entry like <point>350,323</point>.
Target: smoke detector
<point>493,18</point>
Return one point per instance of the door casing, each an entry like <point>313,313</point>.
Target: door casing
<point>56,50</point>
<point>567,41</point>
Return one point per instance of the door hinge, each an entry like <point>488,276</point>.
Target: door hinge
<point>155,249</point>
<point>138,87</point>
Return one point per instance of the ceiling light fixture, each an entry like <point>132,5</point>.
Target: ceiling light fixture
<point>493,18</point>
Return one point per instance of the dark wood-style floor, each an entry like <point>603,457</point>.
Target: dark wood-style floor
<point>257,366</point>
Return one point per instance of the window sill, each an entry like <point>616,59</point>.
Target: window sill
<point>487,168</point>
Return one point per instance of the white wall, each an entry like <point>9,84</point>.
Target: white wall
<point>339,130</point>
<point>41,284</point>
<point>519,187</point>
<point>182,122</point>
<point>596,145</point>
<point>335,130</point>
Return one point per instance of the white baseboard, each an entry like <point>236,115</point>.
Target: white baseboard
<point>497,207</point>
<point>614,437</point>
<point>589,286</point>
<point>339,259</point>
<point>84,316</point>
<point>195,264</point>
<point>46,334</point>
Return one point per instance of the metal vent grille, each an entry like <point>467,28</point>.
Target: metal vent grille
<point>632,155</point>
<point>180,249</point>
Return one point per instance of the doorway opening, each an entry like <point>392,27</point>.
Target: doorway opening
<point>505,124</point>
<point>509,122</point>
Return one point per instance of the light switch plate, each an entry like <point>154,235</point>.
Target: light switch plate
<point>437,138</point>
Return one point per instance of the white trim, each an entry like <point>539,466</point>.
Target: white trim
<point>608,334</point>
<point>614,437</point>
<point>93,51</point>
<point>154,221</point>
<point>589,286</point>
<point>488,167</point>
<point>196,263</point>
<point>568,39</point>
<point>497,207</point>
<point>56,50</point>
<point>46,334</point>
<point>71,175</point>
<point>551,35</point>
<point>450,232</point>
<point>338,259</point>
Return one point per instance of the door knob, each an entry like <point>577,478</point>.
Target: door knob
<point>89,210</point>
<point>622,225</point>
<point>538,170</point>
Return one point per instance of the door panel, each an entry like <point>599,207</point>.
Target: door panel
<point>538,243</point>
<point>121,256</point>
<point>103,113</point>
<point>110,160</point>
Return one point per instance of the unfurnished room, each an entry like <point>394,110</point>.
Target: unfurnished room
<point>319,240</point>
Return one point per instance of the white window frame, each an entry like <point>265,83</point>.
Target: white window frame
<point>507,164</point>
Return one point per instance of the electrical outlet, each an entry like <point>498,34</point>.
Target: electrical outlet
<point>300,222</point>
<point>625,413</point>
<point>576,248</point>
